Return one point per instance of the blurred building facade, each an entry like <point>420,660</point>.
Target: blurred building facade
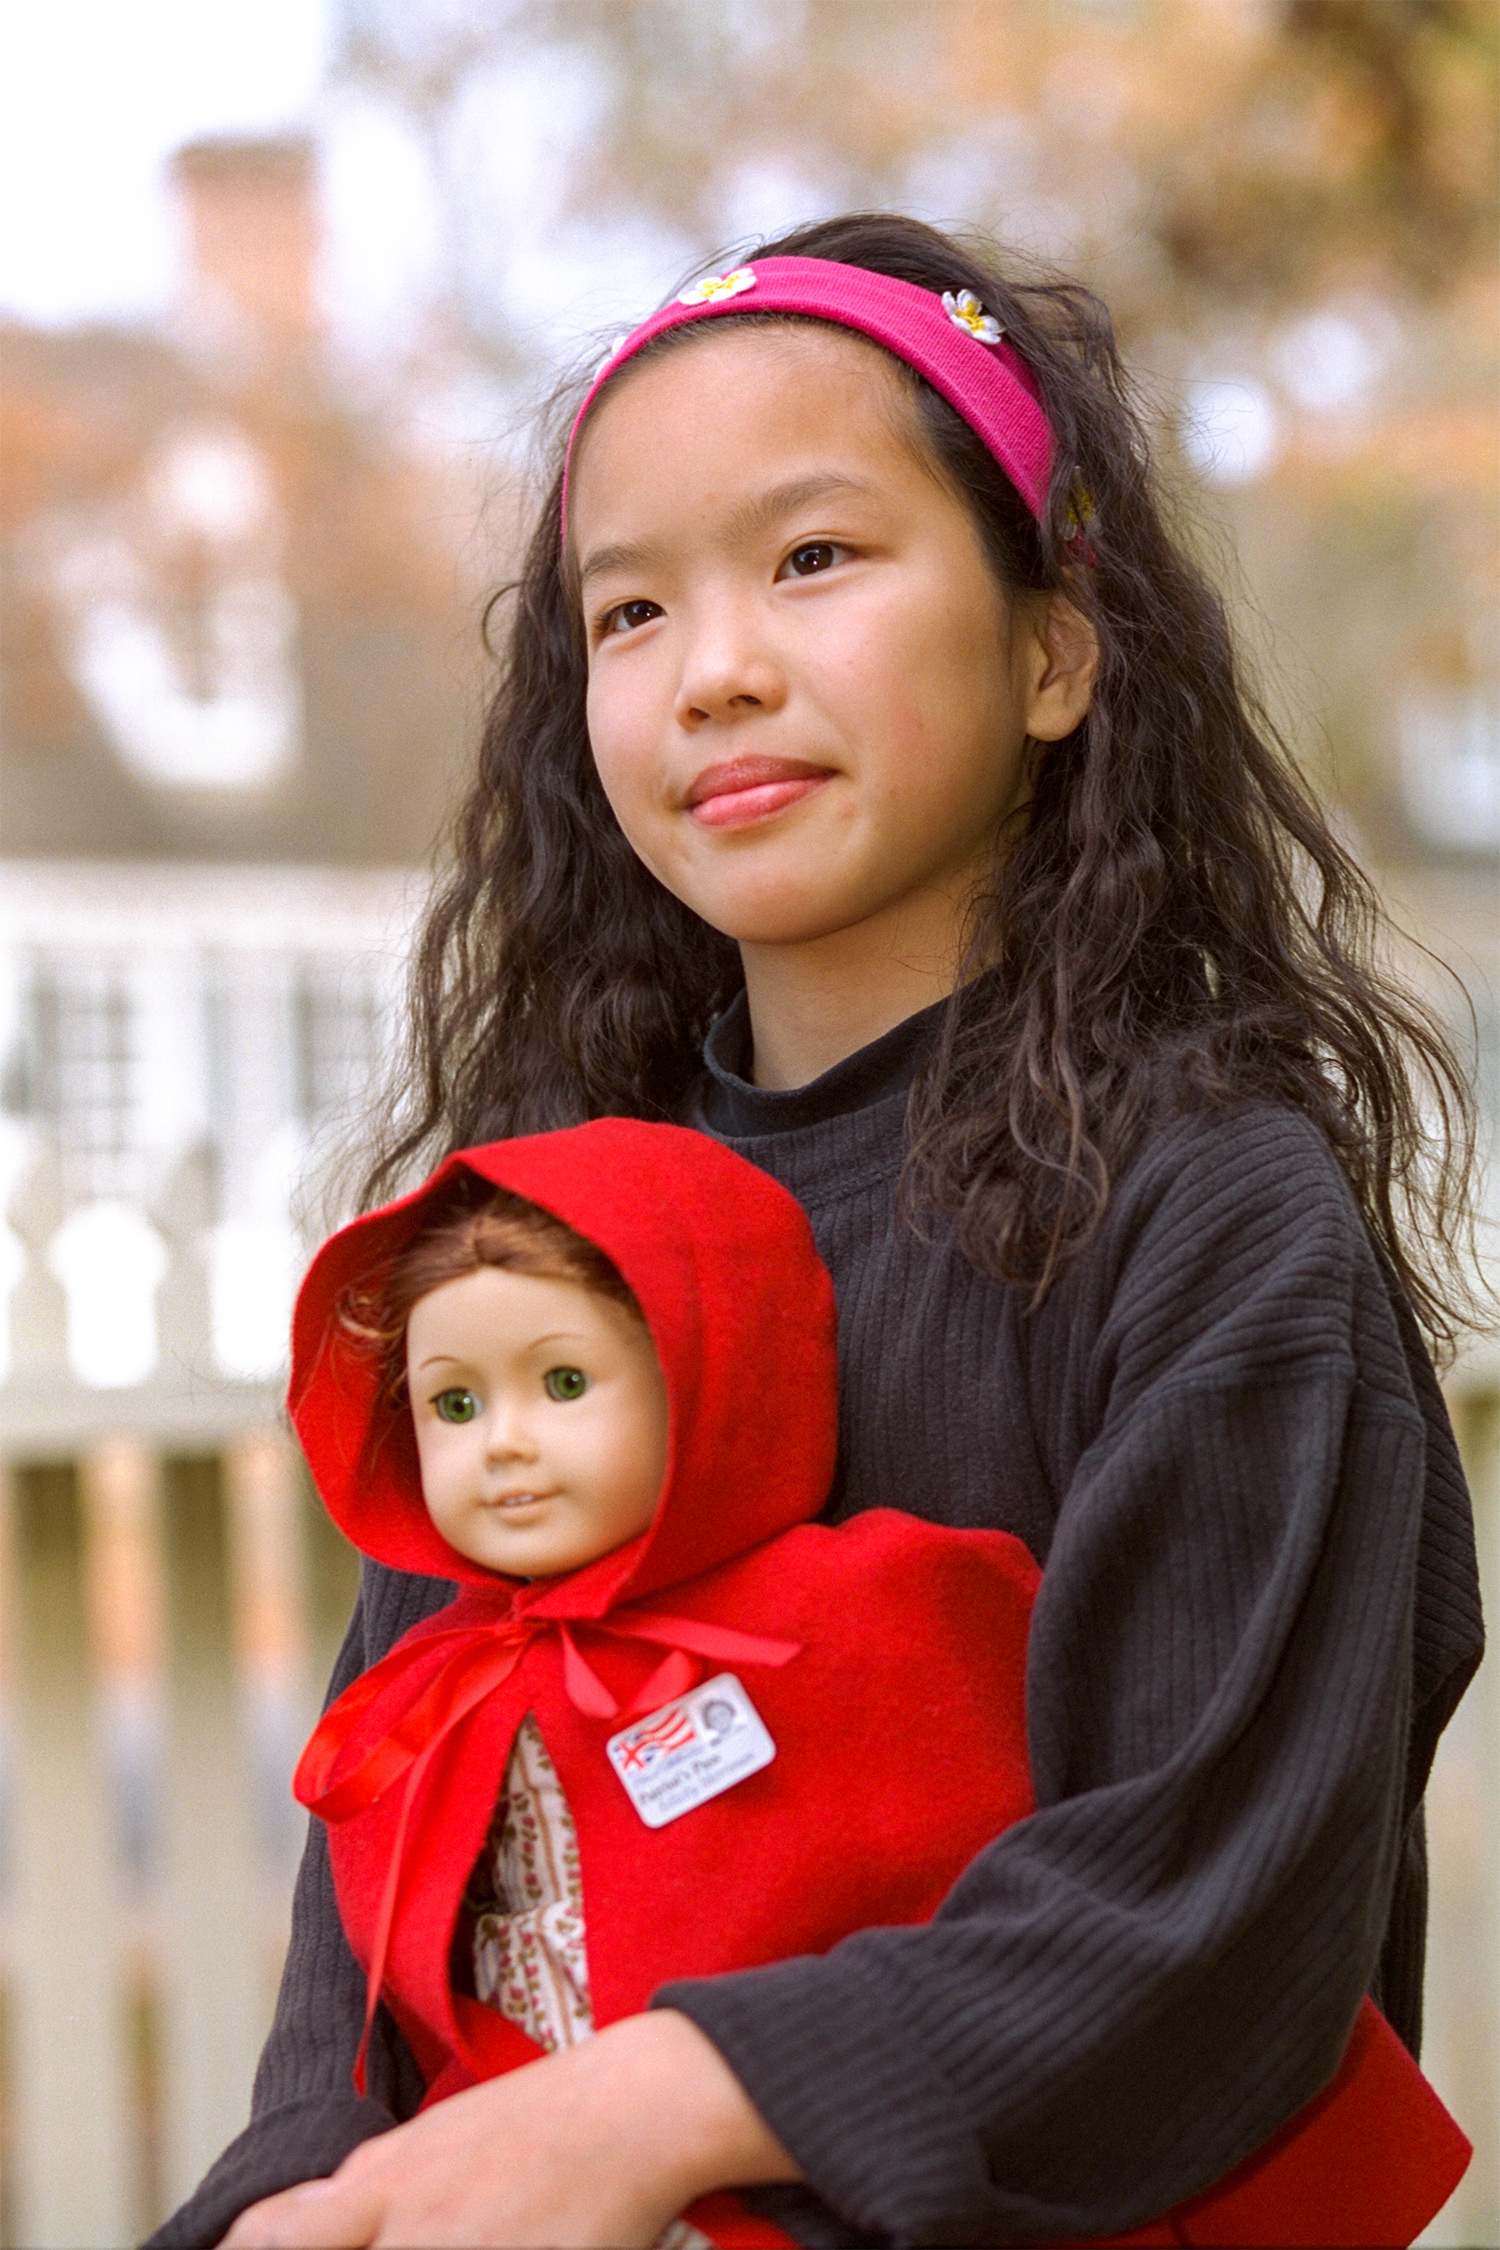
<point>235,624</point>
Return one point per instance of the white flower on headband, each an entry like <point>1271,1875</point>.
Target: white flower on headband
<point>718,285</point>
<point>615,343</point>
<point>965,311</point>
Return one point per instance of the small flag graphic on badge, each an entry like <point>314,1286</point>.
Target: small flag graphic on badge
<point>695,1748</point>
<point>672,1730</point>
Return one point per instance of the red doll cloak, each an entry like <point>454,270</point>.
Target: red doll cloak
<point>886,1658</point>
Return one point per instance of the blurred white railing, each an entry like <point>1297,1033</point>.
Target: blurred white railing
<point>171,1614</point>
<point>177,1043</point>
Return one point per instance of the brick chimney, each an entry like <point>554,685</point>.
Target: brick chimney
<point>254,228</point>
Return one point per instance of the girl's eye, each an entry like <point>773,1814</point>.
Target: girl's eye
<point>626,616</point>
<point>807,561</point>
<point>456,1406</point>
<point>565,1382</point>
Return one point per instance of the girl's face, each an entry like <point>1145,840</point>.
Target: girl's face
<point>541,1420</point>
<point>809,698</point>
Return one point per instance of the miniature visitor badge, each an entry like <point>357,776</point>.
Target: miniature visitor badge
<point>693,1748</point>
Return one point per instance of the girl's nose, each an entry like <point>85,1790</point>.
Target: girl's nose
<point>729,672</point>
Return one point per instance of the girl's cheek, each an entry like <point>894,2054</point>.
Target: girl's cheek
<point>626,772</point>
<point>609,741</point>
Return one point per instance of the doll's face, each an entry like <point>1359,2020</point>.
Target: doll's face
<point>541,1420</point>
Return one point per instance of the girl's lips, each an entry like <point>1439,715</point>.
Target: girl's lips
<point>744,790</point>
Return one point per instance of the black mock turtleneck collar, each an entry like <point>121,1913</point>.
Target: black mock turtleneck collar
<point>730,1105</point>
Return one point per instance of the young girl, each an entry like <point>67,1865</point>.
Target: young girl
<point>862,720</point>
<point>591,1375</point>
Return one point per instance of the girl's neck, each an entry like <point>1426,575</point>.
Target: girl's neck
<point>812,1004</point>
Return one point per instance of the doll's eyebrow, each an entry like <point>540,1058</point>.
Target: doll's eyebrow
<point>761,514</point>
<point>452,1359</point>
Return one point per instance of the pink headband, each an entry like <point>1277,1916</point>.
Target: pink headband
<point>950,339</point>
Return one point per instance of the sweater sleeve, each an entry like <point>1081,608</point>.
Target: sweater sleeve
<point>1128,1992</point>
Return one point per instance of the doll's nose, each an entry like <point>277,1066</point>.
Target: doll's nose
<point>508,1435</point>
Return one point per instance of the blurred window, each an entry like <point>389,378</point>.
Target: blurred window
<point>337,1035</point>
<point>80,1081</point>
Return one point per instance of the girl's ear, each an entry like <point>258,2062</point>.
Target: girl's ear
<point>1063,662</point>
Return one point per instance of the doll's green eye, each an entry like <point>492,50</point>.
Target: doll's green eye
<point>456,1406</point>
<point>565,1382</point>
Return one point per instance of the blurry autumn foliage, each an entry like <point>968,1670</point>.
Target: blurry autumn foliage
<point>1194,154</point>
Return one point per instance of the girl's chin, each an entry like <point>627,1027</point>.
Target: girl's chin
<point>750,925</point>
<point>767,897</point>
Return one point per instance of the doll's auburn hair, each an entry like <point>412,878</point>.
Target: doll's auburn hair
<point>1170,920</point>
<point>475,1225</point>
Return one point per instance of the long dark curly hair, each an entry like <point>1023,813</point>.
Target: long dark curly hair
<point>1169,920</point>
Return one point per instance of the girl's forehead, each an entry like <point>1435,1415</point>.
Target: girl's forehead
<point>722,389</point>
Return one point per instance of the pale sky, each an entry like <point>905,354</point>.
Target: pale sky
<point>94,95</point>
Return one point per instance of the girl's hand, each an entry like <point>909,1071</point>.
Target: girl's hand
<point>604,2143</point>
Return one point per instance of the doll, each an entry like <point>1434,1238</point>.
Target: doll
<point>719,1732</point>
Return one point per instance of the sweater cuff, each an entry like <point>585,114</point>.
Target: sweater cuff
<point>850,2091</point>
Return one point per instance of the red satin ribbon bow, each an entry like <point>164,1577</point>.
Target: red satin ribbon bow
<point>480,1660</point>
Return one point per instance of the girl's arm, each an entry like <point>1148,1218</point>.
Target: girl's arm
<point>603,2143</point>
<point>1259,1608</point>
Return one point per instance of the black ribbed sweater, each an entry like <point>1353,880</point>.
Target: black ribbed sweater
<point>1221,1436</point>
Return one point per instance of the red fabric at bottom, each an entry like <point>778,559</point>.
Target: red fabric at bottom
<point>1365,2166</point>
<point>728,2224</point>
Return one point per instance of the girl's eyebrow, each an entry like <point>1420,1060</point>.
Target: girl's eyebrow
<point>743,524</point>
<point>767,509</point>
<point>626,555</point>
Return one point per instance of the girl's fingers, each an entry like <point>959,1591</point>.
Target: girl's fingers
<point>599,2144</point>
<point>321,2215</point>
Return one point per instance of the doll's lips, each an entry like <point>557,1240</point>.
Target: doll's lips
<point>744,790</point>
<point>510,1500</point>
